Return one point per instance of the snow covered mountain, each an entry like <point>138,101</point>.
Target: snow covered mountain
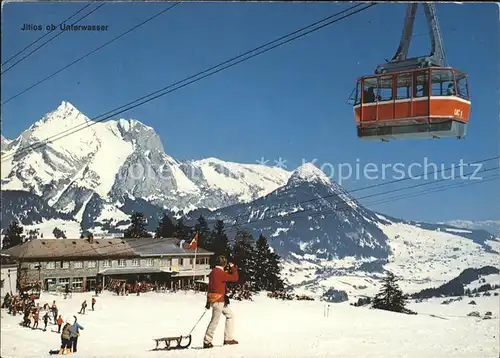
<point>108,164</point>
<point>492,226</point>
<point>4,143</point>
<point>96,178</point>
<point>330,240</point>
<point>333,227</point>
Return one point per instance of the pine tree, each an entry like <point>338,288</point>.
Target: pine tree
<point>13,236</point>
<point>218,242</point>
<point>203,231</point>
<point>181,231</point>
<point>390,297</point>
<point>58,233</point>
<point>137,228</point>
<point>244,256</point>
<point>165,228</point>
<point>267,267</point>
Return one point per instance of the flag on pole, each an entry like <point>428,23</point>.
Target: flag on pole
<point>193,244</point>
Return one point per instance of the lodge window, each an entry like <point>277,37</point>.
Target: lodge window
<point>63,280</point>
<point>403,86</point>
<point>77,264</point>
<point>77,282</point>
<point>122,263</point>
<point>65,264</point>
<point>51,265</point>
<point>202,261</point>
<point>91,264</point>
<point>106,263</point>
<point>149,262</point>
<point>166,262</point>
<point>135,262</point>
<point>186,262</point>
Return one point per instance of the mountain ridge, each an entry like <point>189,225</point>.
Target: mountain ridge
<point>120,160</point>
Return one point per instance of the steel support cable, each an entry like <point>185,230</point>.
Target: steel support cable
<point>176,86</point>
<point>341,201</point>
<point>41,37</point>
<point>372,186</point>
<point>376,202</point>
<point>49,40</point>
<point>89,53</point>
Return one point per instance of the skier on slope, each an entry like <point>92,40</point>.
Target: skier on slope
<point>217,300</point>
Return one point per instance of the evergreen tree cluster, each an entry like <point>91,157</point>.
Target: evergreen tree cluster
<point>391,297</point>
<point>13,235</point>
<point>258,266</point>
<point>58,233</point>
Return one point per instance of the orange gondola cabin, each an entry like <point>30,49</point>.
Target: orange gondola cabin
<point>413,98</point>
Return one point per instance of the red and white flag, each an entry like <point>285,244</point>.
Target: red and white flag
<point>193,244</point>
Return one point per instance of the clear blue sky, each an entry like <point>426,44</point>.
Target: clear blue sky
<point>289,102</point>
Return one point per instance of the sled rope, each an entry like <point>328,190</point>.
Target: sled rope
<point>197,323</point>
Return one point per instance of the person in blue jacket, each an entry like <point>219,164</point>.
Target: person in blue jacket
<point>75,333</point>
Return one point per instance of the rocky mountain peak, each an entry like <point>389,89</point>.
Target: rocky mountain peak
<point>308,172</point>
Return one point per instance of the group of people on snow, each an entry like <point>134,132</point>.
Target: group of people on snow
<point>217,300</point>
<point>69,337</point>
<point>69,331</point>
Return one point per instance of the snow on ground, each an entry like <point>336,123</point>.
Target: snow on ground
<point>420,258</point>
<point>354,285</point>
<point>125,327</point>
<point>110,213</point>
<point>71,228</point>
<point>430,258</point>
<point>493,279</point>
<point>238,179</point>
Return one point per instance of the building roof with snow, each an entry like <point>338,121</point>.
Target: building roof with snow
<point>90,248</point>
<point>148,247</point>
<point>70,248</point>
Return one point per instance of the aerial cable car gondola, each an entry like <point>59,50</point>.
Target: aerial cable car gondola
<point>413,98</point>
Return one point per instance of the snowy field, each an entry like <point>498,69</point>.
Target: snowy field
<point>125,327</point>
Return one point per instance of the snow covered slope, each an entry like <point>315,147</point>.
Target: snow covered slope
<point>330,240</point>
<point>422,258</point>
<point>492,226</point>
<point>119,160</point>
<point>264,328</point>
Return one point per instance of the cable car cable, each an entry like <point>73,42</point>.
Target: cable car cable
<point>341,201</point>
<point>49,40</point>
<point>41,37</point>
<point>90,53</point>
<point>377,202</point>
<point>379,185</point>
<point>65,133</point>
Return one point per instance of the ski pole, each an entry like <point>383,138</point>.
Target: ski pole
<point>205,311</point>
